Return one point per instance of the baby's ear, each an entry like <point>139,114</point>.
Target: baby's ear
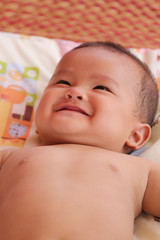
<point>139,136</point>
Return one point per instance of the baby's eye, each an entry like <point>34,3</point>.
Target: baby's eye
<point>101,87</point>
<point>63,82</point>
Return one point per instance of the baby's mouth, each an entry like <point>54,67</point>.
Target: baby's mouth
<point>72,108</point>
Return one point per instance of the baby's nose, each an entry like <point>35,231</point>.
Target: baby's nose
<point>76,93</point>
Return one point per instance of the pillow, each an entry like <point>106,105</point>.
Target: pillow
<point>26,65</point>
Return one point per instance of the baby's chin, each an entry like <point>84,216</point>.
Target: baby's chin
<point>52,140</point>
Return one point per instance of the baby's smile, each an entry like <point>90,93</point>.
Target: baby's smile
<point>73,108</point>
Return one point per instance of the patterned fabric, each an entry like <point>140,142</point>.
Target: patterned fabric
<point>26,65</point>
<point>18,89</point>
<point>133,23</point>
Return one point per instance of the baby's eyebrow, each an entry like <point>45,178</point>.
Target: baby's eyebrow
<point>59,72</point>
<point>63,71</point>
<point>105,78</point>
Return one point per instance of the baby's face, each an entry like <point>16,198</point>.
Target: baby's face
<point>90,100</point>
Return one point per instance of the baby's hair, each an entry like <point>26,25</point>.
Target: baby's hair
<point>147,99</point>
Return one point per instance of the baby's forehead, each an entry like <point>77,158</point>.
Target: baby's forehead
<point>120,60</point>
<point>102,51</point>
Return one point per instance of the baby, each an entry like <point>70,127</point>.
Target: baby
<point>83,184</point>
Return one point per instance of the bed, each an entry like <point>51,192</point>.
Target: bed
<point>34,35</point>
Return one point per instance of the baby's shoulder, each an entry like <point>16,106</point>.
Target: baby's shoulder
<point>14,155</point>
<point>4,155</point>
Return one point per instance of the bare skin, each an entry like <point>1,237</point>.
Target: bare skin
<point>71,196</point>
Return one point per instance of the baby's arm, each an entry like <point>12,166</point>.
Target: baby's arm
<point>151,201</point>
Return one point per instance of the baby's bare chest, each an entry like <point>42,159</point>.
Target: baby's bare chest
<point>71,191</point>
<point>62,173</point>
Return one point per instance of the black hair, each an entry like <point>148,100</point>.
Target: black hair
<point>147,92</point>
